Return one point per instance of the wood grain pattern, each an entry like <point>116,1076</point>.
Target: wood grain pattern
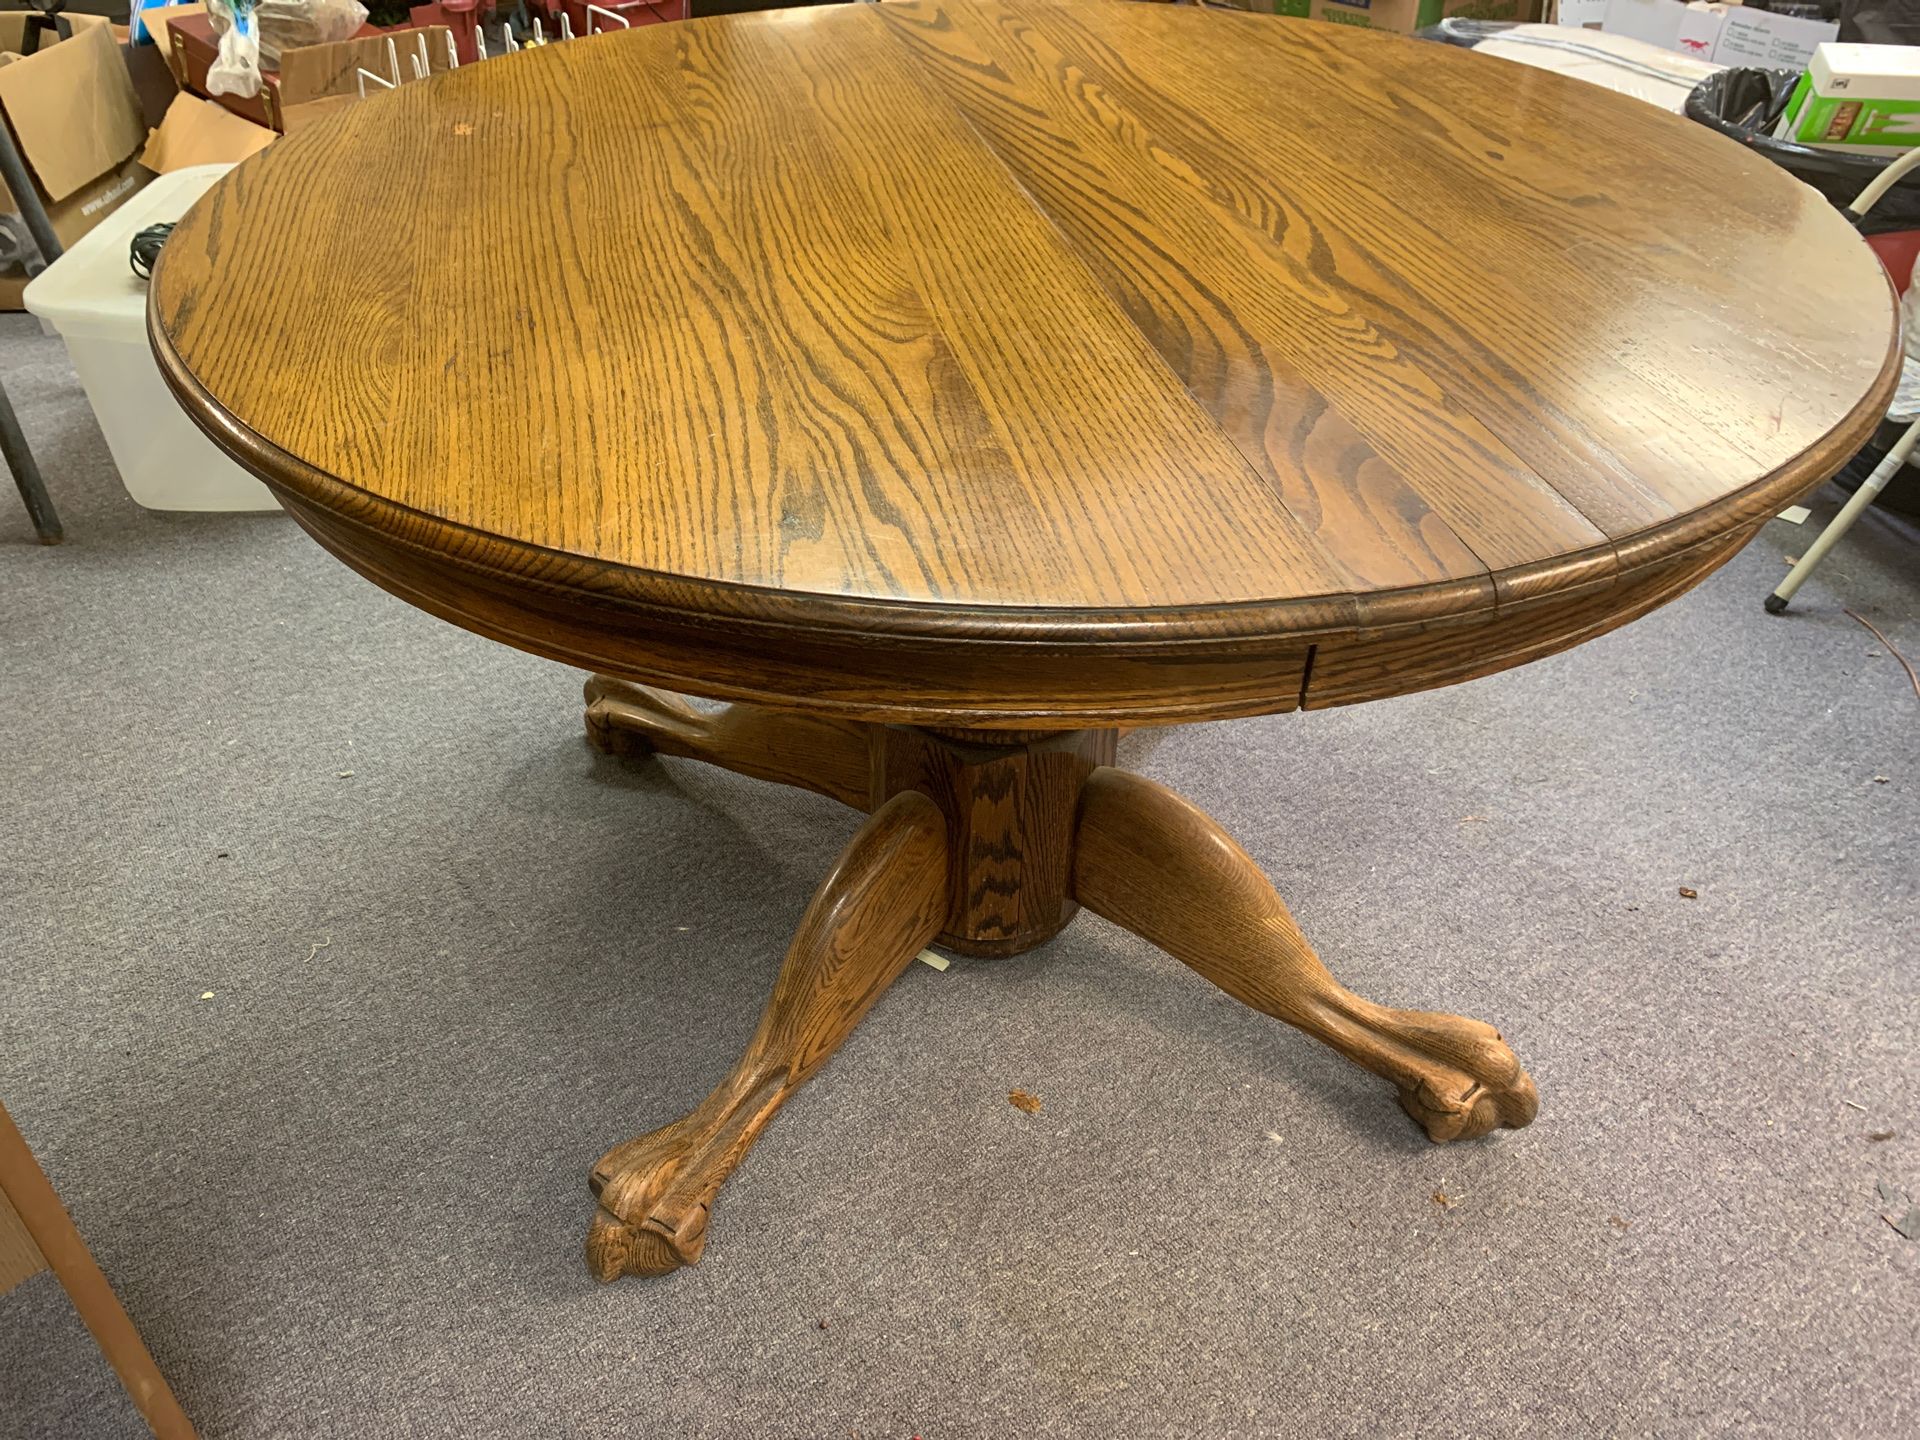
<point>993,838</point>
<point>1344,673</point>
<point>24,1188</point>
<point>985,364</point>
<point>828,756</point>
<point>1318,395</point>
<point>1149,860</point>
<point>1010,803</point>
<point>1425,206</point>
<point>20,1258</point>
<point>876,910</point>
<point>1010,798</point>
<point>1034,822</point>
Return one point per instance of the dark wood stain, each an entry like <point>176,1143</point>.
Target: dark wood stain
<point>1010,803</point>
<point>994,364</point>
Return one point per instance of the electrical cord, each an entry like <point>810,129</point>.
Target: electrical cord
<point>146,249</point>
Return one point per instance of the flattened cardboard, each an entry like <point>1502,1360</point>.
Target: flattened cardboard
<point>199,132</point>
<point>73,110</point>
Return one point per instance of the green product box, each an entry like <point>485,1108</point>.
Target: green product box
<point>1856,97</point>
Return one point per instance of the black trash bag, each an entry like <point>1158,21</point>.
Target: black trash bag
<point>1744,103</point>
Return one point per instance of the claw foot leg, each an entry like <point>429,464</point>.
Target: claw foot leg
<point>829,756</point>
<point>667,1181</point>
<point>1156,864</point>
<point>881,904</point>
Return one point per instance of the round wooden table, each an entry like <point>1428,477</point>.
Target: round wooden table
<point>950,383</point>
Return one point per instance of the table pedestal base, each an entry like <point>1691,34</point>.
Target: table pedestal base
<point>987,842</point>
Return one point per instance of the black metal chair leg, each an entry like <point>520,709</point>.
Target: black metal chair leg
<point>26,474</point>
<point>13,441</point>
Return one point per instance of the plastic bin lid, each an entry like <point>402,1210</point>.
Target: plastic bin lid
<point>91,291</point>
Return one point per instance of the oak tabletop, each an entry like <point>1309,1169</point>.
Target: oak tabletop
<point>1081,320</point>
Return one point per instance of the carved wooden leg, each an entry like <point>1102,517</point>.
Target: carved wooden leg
<point>830,756</point>
<point>883,901</point>
<point>1151,861</point>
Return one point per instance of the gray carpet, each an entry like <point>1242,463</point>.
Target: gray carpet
<point>332,957</point>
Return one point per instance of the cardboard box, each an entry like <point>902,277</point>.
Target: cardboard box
<point>1857,97</point>
<point>77,124</point>
<point>152,80</point>
<point>1723,34</point>
<point>1756,37</point>
<point>1402,16</point>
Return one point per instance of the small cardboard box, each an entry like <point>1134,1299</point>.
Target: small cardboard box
<point>1402,16</point>
<point>77,124</point>
<point>1857,97</point>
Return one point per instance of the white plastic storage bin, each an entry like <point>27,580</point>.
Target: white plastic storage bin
<point>99,306</point>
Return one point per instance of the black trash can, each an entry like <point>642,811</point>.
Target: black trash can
<point>1744,103</point>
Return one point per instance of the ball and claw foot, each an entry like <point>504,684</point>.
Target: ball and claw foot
<point>636,721</point>
<point>1138,854</point>
<point>618,716</point>
<point>877,908</point>
<point>653,1205</point>
<point>615,1248</point>
<point>1151,861</point>
<point>1473,1084</point>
